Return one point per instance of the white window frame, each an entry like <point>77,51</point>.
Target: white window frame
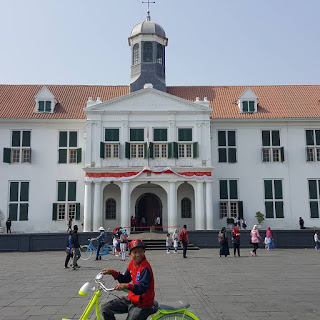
<point>114,150</point>
<point>271,154</point>
<point>66,205</point>
<point>137,150</point>
<point>20,150</point>
<point>274,200</point>
<point>160,150</point>
<point>185,150</point>
<point>72,152</point>
<point>231,206</point>
<point>18,202</point>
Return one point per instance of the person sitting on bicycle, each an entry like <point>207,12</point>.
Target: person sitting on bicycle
<point>139,280</point>
<point>102,239</point>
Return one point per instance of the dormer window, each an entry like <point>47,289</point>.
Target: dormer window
<point>248,106</point>
<point>247,102</point>
<point>45,101</point>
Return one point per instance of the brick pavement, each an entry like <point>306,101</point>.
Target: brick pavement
<point>279,284</point>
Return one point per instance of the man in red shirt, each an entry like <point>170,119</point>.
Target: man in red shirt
<point>185,240</point>
<point>139,280</point>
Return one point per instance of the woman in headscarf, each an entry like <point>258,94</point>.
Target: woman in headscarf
<point>255,238</point>
<point>236,240</point>
<point>223,240</point>
<point>269,239</point>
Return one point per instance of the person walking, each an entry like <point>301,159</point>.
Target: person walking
<point>255,238</point>
<point>68,251</point>
<point>301,223</point>
<point>316,239</point>
<point>269,239</point>
<point>236,240</point>
<point>8,225</point>
<point>224,245</point>
<point>123,244</point>
<point>102,239</point>
<point>184,238</point>
<point>75,247</point>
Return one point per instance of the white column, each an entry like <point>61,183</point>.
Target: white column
<point>97,207</point>
<point>199,214</point>
<point>125,208</point>
<point>209,205</point>
<point>172,206</point>
<point>87,226</point>
<point>88,151</point>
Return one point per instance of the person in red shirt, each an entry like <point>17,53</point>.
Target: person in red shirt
<point>139,280</point>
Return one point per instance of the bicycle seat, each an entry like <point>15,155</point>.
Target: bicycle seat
<point>176,305</point>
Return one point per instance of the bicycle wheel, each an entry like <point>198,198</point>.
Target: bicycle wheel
<point>86,252</point>
<point>176,316</point>
<point>106,252</point>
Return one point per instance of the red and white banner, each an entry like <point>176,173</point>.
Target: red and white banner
<point>129,175</point>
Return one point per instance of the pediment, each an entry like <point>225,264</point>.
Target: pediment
<point>147,100</point>
<point>44,93</point>
<point>248,94</point>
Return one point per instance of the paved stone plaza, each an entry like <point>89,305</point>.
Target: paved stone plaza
<point>279,284</point>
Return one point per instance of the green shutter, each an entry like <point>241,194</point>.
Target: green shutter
<point>223,189</point>
<point>266,138</point>
<point>62,191</point>
<point>72,189</point>
<point>63,155</point>
<point>222,154</point>
<point>170,150</point>
<point>232,155</point>
<point>26,138</point>
<point>102,150</point>
<point>23,212</point>
<point>30,156</point>
<point>14,190</point>
<point>79,155</point>
<point>78,211</point>
<point>309,138</point>
<point>54,211</point>
<point>195,150</point>
<point>24,191</point>
<point>7,155</point>
<point>41,106</point>
<point>275,138</point>
<point>146,150</point>
<point>317,137</point>
<point>15,138</point>
<point>175,150</point>
<point>63,137</point>
<point>48,106</point>
<point>127,150</point>
<point>244,106</point>
<point>160,135</point>
<point>111,135</point>
<point>231,138</point>
<point>222,141</point>
<point>240,209</point>
<point>279,209</point>
<point>73,139</point>
<point>278,189</point>
<point>185,134</point>
<point>282,154</point>
<point>233,187</point>
<point>268,189</point>
<point>269,209</point>
<point>314,209</point>
<point>313,194</point>
<point>13,211</point>
<point>136,134</point>
<point>151,150</point>
<point>251,106</point>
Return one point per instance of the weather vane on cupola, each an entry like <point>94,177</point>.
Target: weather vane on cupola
<point>148,12</point>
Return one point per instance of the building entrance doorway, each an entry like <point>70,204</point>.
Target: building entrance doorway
<point>148,209</point>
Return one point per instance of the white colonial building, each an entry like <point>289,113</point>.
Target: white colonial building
<point>189,155</point>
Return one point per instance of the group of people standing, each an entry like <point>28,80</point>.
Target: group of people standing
<point>255,239</point>
<point>73,249</point>
<point>176,238</point>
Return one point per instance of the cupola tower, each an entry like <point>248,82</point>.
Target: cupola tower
<point>148,41</point>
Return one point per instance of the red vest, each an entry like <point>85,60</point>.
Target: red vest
<point>146,300</point>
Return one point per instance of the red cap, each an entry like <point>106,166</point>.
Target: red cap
<point>137,243</point>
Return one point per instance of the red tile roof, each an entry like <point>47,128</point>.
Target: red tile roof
<point>286,101</point>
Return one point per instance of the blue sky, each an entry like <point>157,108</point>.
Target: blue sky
<point>211,42</point>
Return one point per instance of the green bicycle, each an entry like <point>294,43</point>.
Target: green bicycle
<point>166,311</point>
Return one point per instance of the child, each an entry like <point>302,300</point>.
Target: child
<point>168,242</point>
<point>139,303</point>
<point>175,237</point>
<point>316,239</point>
<point>115,244</point>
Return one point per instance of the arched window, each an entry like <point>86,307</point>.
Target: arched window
<point>111,209</point>
<point>135,55</point>
<point>147,52</point>
<point>159,53</point>
<point>185,208</point>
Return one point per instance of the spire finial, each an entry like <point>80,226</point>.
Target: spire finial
<point>148,11</point>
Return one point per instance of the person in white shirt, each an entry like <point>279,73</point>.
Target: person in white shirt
<point>316,239</point>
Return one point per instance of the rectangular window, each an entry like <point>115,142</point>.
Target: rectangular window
<point>111,150</point>
<point>136,134</point>
<point>160,135</point>
<point>68,147</point>
<point>229,207</point>
<point>20,146</point>
<point>227,150</point>
<point>271,150</point>
<point>314,197</point>
<point>185,149</point>
<point>136,150</point>
<point>313,145</point>
<point>44,106</point>
<point>18,200</point>
<point>66,200</point>
<point>273,197</point>
<point>160,150</point>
